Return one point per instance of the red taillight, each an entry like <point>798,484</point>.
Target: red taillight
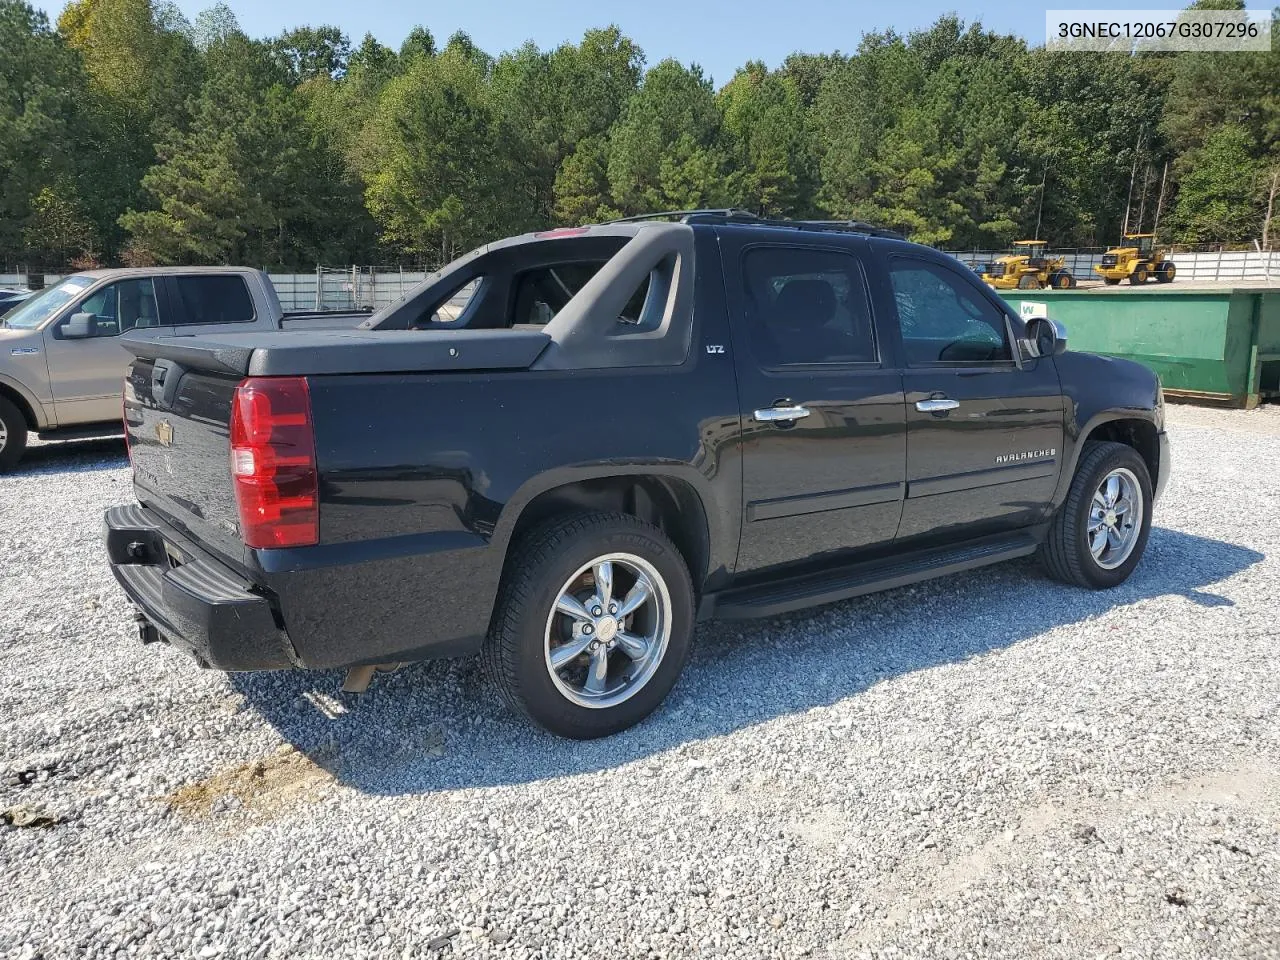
<point>273,462</point>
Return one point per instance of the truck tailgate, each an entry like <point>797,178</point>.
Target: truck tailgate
<point>180,390</point>
<point>178,424</point>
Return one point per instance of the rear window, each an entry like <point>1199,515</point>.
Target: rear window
<point>212,299</point>
<point>541,293</point>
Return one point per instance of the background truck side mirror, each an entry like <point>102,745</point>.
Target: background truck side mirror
<point>1045,338</point>
<point>80,326</point>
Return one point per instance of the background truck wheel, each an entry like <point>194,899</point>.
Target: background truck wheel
<point>1099,535</point>
<point>1139,275</point>
<point>13,435</point>
<point>592,626</point>
<point>1063,280</point>
<point>1166,272</point>
<point>1028,282</point>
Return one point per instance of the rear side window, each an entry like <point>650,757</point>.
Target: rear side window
<point>944,319</point>
<point>212,299</point>
<point>457,304</point>
<point>807,306</point>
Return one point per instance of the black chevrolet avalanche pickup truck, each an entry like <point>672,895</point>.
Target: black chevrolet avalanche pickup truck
<point>623,429</point>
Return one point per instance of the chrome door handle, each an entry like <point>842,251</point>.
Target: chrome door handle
<point>773,414</point>
<point>936,406</point>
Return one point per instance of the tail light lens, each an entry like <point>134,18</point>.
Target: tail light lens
<point>273,462</point>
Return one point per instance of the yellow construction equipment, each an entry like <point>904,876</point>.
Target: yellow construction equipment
<point>1138,262</point>
<point>1026,267</point>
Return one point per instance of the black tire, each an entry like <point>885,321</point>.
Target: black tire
<point>1028,281</point>
<point>1065,553</point>
<point>538,567</point>
<point>15,435</point>
<point>1062,280</point>
<point>1166,272</point>
<point>1139,275</point>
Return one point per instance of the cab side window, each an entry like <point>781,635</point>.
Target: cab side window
<point>943,319</point>
<point>807,306</point>
<point>120,307</point>
<point>211,298</point>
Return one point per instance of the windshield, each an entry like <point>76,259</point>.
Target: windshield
<point>43,305</point>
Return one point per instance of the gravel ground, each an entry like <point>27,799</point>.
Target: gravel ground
<point>988,766</point>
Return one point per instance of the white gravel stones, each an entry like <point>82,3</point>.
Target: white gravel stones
<point>988,766</point>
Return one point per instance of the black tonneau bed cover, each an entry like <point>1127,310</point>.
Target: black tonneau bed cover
<point>304,352</point>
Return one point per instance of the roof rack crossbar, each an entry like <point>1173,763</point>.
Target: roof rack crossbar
<point>726,212</point>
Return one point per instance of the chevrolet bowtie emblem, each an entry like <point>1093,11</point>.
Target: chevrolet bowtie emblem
<point>164,433</point>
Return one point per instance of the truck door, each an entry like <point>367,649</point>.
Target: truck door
<point>824,451</point>
<point>86,374</point>
<point>984,428</point>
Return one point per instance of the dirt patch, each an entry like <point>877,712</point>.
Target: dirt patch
<point>264,787</point>
<point>29,815</point>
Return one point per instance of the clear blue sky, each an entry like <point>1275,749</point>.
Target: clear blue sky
<point>719,35</point>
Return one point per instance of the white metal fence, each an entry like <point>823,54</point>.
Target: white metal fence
<point>349,288</point>
<point>354,288</point>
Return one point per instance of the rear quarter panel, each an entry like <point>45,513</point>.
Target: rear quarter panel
<point>423,478</point>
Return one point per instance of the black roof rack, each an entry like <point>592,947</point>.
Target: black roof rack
<point>734,215</point>
<point>723,212</point>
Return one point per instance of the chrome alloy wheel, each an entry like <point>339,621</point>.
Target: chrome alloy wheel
<point>1115,518</point>
<point>4,435</point>
<point>608,631</point>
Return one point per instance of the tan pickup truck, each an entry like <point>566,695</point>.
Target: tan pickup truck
<point>61,363</point>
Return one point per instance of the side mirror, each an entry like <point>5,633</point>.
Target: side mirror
<point>80,326</point>
<point>1045,338</point>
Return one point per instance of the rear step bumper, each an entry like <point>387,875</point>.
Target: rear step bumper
<point>192,600</point>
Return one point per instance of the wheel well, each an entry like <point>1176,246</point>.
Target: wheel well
<point>1139,434</point>
<point>673,506</point>
<point>14,397</point>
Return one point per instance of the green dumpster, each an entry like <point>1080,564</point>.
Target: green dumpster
<point>1216,344</point>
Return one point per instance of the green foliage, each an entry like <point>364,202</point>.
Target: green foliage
<point>132,133</point>
<point>251,180</point>
<point>553,102</point>
<point>310,52</point>
<point>923,134</point>
<point>42,119</point>
<point>419,43</point>
<point>582,185</point>
<point>664,149</point>
<point>440,173</point>
<point>1219,191</point>
<point>764,127</point>
<point>57,228</point>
